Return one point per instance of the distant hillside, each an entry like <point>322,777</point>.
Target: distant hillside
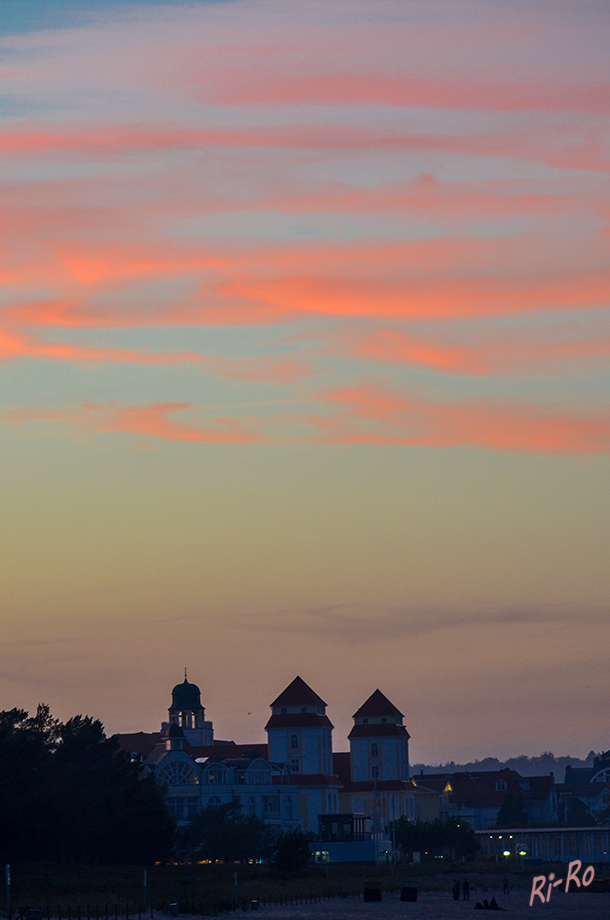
<point>526,766</point>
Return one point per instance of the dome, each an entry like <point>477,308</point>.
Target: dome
<point>186,696</point>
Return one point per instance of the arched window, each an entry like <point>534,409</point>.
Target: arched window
<point>216,774</point>
<point>294,742</point>
<point>501,785</point>
<point>178,773</point>
<point>374,749</point>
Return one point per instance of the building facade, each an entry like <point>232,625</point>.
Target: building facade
<point>295,779</point>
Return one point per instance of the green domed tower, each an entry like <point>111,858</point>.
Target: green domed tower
<point>187,712</point>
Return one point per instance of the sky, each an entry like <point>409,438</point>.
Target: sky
<point>304,363</point>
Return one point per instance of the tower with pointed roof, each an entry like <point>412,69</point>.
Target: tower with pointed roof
<point>299,731</point>
<point>187,713</point>
<point>379,742</point>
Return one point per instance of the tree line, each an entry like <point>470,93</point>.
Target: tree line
<point>70,794</point>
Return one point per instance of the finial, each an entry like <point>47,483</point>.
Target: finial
<point>185,674</point>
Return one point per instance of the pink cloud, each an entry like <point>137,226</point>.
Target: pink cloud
<point>363,414</point>
<point>368,414</point>
<point>154,421</point>
<point>423,298</point>
<point>15,345</point>
<point>563,146</point>
<point>451,93</point>
<point>509,352</point>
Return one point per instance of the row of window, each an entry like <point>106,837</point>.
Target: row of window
<point>318,709</point>
<point>186,807</point>
<point>179,773</point>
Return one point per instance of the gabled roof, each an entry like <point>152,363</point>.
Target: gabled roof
<point>298,693</point>
<point>377,705</point>
<point>478,789</point>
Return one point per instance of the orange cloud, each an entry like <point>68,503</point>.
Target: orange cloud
<point>364,414</point>
<point>150,421</point>
<point>17,345</point>
<point>277,369</point>
<point>403,348</point>
<point>370,415</point>
<point>508,352</point>
<point>424,298</point>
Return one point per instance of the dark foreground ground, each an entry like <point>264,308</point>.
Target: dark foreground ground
<point>436,906</point>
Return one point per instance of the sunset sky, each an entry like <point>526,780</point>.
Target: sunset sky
<point>304,363</point>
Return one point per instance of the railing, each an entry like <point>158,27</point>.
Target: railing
<point>210,907</point>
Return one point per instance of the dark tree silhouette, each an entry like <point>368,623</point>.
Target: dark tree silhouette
<point>69,793</point>
<point>512,812</point>
<point>292,852</point>
<point>452,836</point>
<point>223,832</point>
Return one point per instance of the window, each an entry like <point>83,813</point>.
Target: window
<point>217,774</point>
<point>295,765</point>
<point>375,771</point>
<point>365,721</point>
<point>501,785</point>
<point>383,721</point>
<point>214,801</point>
<point>178,773</point>
<point>283,710</point>
<point>294,742</point>
<point>258,777</point>
<point>303,708</point>
<point>374,749</point>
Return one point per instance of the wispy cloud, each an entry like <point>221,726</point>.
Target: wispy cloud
<point>155,421</point>
<point>364,414</point>
<point>360,625</point>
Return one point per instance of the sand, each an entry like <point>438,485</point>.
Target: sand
<point>434,906</point>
